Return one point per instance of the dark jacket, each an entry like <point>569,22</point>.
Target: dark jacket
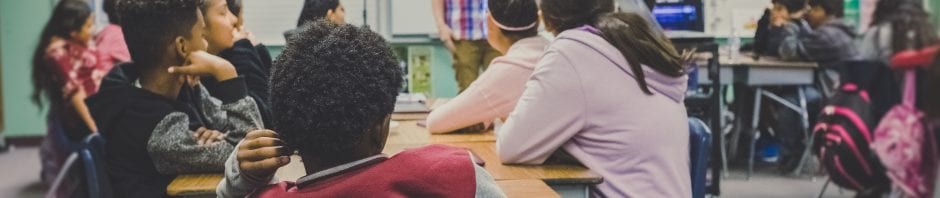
<point>149,136</point>
<point>252,65</point>
<point>832,42</point>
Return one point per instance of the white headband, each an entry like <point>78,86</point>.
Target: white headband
<point>515,29</point>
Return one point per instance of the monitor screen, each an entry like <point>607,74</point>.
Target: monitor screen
<point>676,16</point>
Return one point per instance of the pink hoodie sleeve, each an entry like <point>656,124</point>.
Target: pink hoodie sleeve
<point>549,113</point>
<point>477,104</point>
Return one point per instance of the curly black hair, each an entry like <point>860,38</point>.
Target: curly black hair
<point>332,85</point>
<point>150,26</point>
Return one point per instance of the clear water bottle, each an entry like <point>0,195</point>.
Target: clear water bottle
<point>734,45</point>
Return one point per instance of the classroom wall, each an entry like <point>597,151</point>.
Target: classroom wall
<point>21,22</point>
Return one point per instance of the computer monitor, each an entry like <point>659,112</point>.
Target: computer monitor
<point>680,16</point>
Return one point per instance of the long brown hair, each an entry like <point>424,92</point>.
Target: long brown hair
<point>628,32</point>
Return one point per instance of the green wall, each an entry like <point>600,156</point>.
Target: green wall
<point>21,22</point>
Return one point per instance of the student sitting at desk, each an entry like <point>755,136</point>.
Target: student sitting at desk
<point>890,22</point>
<point>822,37</point>
<point>227,39</point>
<point>768,37</point>
<point>609,91</point>
<point>314,10</point>
<point>513,31</point>
<point>333,93</point>
<point>151,137</point>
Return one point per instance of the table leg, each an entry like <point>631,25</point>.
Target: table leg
<point>758,94</point>
<point>807,133</point>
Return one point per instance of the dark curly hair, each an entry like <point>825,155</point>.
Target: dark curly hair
<point>332,85</point>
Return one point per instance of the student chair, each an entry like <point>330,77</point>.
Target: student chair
<point>700,143</point>
<point>67,182</point>
<point>84,173</point>
<point>92,155</point>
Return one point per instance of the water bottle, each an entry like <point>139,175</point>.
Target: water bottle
<point>734,45</point>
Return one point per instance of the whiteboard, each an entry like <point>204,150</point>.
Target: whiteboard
<point>268,20</point>
<point>412,17</point>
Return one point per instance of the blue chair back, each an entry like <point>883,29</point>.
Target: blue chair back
<point>92,156</point>
<point>700,143</point>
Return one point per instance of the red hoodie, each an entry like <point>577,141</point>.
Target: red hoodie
<point>431,171</point>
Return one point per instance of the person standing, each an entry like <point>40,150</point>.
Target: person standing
<point>461,25</point>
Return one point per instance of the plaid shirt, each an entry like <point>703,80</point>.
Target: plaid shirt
<point>467,18</point>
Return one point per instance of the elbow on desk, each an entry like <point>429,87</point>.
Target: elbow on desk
<point>435,125</point>
<point>510,154</point>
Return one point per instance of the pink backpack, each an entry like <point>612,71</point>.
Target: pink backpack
<point>900,140</point>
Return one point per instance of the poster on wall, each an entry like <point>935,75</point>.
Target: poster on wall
<point>722,17</point>
<point>419,67</point>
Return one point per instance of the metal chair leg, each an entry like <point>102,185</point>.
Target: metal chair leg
<point>758,94</point>
<point>825,185</point>
<point>807,133</point>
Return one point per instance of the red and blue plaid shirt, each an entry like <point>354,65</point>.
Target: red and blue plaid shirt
<point>467,18</point>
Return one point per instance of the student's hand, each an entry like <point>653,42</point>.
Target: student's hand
<point>192,81</point>
<point>201,63</point>
<point>206,136</point>
<point>447,38</point>
<point>261,153</point>
<point>241,33</point>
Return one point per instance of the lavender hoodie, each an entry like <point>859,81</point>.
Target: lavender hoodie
<point>583,98</point>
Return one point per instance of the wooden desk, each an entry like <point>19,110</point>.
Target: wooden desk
<point>408,132</point>
<point>203,185</point>
<point>516,180</point>
<point>526,188</point>
<point>551,174</point>
<point>195,185</point>
<point>432,104</point>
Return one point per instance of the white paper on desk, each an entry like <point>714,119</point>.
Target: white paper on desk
<point>411,103</point>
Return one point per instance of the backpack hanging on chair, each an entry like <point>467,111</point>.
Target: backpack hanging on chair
<point>900,140</point>
<point>842,137</point>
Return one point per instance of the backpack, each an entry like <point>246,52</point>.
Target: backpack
<point>901,140</point>
<point>842,137</point>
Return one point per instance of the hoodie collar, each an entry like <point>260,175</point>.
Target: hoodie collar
<point>672,87</point>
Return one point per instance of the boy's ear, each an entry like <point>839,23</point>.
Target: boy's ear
<point>330,13</point>
<point>182,49</point>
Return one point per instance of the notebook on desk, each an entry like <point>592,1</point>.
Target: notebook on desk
<point>411,103</point>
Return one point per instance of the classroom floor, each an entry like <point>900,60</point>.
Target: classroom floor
<point>20,179</point>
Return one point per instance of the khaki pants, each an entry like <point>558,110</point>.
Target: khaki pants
<point>470,59</point>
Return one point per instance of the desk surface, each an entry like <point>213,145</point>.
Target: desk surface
<point>409,135</point>
<point>748,61</point>
<point>204,185</point>
<point>408,132</point>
